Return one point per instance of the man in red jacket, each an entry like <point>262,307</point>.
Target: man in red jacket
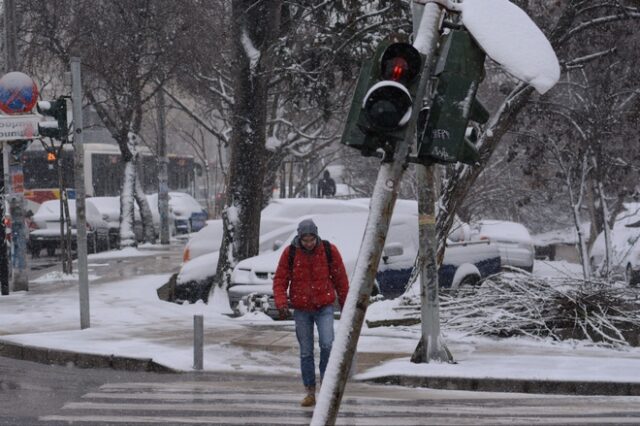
<point>308,279</point>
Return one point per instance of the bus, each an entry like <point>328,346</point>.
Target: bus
<point>103,172</point>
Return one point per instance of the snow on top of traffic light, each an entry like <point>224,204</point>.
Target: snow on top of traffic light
<point>507,34</point>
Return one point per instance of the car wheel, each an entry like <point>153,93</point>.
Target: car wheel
<point>34,249</point>
<point>103,243</point>
<point>91,243</point>
<point>631,277</point>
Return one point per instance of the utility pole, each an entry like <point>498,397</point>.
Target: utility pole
<point>78,141</point>
<point>382,203</point>
<point>163,184</point>
<point>12,166</point>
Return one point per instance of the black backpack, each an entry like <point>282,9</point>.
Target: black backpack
<point>327,250</point>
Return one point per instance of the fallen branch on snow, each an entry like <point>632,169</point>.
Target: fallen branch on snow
<point>512,304</point>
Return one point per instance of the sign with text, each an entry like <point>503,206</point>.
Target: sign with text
<point>15,127</point>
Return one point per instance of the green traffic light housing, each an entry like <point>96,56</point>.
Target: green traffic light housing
<point>57,109</point>
<point>384,97</point>
<point>459,71</point>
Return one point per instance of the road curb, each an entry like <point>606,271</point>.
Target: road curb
<point>79,359</point>
<point>514,385</point>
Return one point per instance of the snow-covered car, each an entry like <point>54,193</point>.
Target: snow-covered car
<point>474,260</point>
<point>277,221</point>
<point>513,240</point>
<point>45,232</point>
<point>109,208</point>
<point>195,278</point>
<point>185,213</point>
<point>189,216</point>
<point>277,214</point>
<point>625,246</point>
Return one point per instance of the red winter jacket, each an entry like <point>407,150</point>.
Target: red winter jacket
<point>310,286</point>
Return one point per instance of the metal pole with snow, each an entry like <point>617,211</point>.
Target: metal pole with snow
<point>382,203</point>
<point>81,229</point>
<point>163,163</point>
<point>431,345</point>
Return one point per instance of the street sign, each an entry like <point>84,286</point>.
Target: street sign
<point>15,127</point>
<point>18,93</point>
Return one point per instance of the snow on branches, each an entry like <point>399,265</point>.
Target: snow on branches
<point>514,304</point>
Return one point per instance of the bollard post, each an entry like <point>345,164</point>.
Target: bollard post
<point>198,342</point>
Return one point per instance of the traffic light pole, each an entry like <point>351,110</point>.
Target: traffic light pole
<point>434,349</point>
<point>382,203</point>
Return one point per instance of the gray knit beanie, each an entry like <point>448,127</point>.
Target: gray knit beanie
<point>307,227</point>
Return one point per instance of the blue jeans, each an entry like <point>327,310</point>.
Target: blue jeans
<point>323,318</point>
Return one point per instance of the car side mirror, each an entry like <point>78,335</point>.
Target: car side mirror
<point>390,250</point>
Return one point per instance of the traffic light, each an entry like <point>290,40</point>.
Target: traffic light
<point>57,109</point>
<point>384,97</point>
<point>51,157</point>
<point>447,137</point>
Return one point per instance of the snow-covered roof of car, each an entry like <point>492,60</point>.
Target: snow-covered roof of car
<point>502,230</point>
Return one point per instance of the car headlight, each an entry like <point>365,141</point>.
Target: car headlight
<point>241,276</point>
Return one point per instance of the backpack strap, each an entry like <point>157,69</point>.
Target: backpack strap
<point>292,255</point>
<point>327,251</point>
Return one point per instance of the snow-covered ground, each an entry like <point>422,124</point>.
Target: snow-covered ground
<point>561,268</point>
<point>128,319</point>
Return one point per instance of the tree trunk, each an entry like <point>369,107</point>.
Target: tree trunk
<point>127,236</point>
<point>254,27</point>
<point>148,229</point>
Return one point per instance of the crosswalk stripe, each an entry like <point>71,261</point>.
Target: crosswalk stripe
<point>370,421</point>
<point>267,403</point>
<point>179,420</point>
<point>168,396</point>
<point>348,408</point>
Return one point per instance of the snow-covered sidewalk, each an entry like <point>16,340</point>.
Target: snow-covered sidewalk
<point>128,320</point>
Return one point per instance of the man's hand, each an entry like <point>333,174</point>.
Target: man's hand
<point>283,313</point>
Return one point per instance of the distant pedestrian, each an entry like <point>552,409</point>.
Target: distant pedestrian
<point>326,186</point>
<point>309,274</point>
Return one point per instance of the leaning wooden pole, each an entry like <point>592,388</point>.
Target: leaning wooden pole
<point>380,211</point>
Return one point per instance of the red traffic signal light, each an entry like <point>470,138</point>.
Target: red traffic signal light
<point>388,103</point>
<point>400,62</point>
<point>382,105</point>
<point>51,157</point>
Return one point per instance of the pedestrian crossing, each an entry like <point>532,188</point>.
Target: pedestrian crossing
<point>244,403</point>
